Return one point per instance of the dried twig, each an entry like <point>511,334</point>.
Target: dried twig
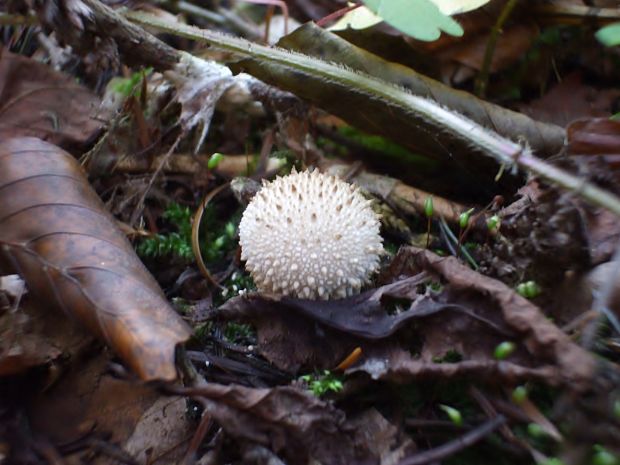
<point>452,447</point>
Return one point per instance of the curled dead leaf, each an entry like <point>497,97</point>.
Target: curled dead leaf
<point>301,428</point>
<point>411,341</point>
<point>56,233</point>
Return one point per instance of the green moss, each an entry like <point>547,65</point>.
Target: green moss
<point>322,383</point>
<point>177,243</point>
<point>386,147</point>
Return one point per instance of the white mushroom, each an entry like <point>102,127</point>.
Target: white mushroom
<point>310,235</point>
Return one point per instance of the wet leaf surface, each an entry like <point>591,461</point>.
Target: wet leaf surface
<point>56,233</point>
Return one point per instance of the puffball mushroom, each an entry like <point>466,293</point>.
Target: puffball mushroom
<point>310,235</point>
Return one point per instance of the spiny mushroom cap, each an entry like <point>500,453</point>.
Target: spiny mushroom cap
<point>310,235</point>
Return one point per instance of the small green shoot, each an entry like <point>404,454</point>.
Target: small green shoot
<point>214,160</point>
<point>528,289</point>
<point>519,394</point>
<point>320,384</point>
<point>454,415</point>
<point>463,227</point>
<point>504,350</point>
<point>130,85</point>
<point>428,206</point>
<point>493,224</point>
<point>536,431</point>
<point>428,211</point>
<point>464,218</point>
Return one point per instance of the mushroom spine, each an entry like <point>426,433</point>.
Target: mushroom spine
<point>310,235</point>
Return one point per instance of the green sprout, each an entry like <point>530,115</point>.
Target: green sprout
<point>428,207</point>
<point>320,384</point>
<point>493,224</point>
<point>536,431</point>
<point>428,211</point>
<point>454,415</point>
<point>528,289</point>
<point>214,160</point>
<point>504,350</point>
<point>519,394</point>
<point>130,85</point>
<point>464,218</point>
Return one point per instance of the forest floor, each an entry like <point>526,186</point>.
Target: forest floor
<point>131,144</point>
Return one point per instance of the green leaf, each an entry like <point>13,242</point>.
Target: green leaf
<point>421,19</point>
<point>454,415</point>
<point>609,35</point>
<point>359,18</point>
<point>455,7</point>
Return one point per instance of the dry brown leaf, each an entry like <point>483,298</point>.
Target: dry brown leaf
<point>56,233</point>
<point>37,101</point>
<point>540,336</point>
<point>301,428</point>
<point>571,99</point>
<point>32,336</point>
<point>294,333</point>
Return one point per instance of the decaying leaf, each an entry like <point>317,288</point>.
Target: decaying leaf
<point>301,428</point>
<point>20,349</point>
<point>38,101</point>
<point>570,100</point>
<point>56,233</point>
<point>294,333</point>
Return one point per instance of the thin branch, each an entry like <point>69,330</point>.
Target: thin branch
<point>458,444</point>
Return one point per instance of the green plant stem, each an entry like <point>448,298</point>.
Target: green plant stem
<point>162,57</point>
<point>421,108</point>
<point>482,80</point>
<point>489,143</point>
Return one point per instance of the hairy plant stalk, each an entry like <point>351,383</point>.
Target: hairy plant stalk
<point>443,119</point>
<point>504,151</point>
